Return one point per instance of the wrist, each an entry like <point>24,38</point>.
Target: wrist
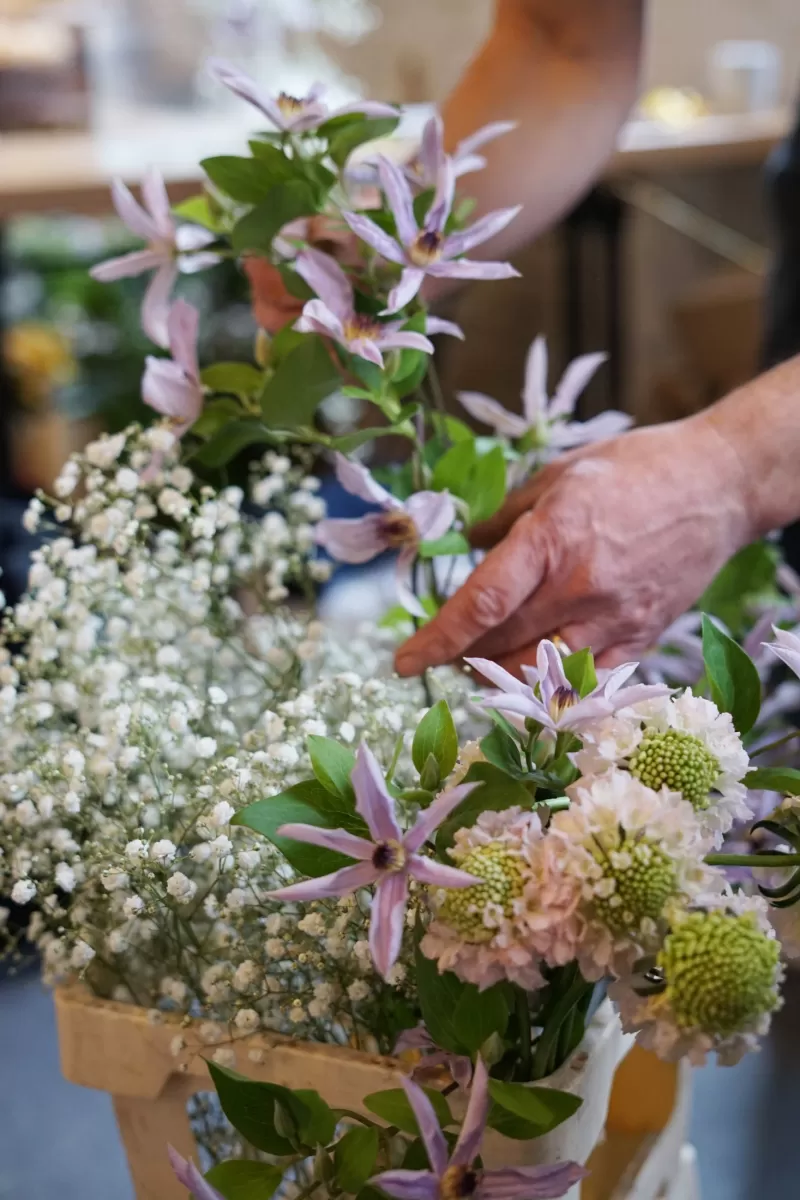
<point>724,456</point>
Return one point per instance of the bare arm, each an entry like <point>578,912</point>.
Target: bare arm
<point>567,71</point>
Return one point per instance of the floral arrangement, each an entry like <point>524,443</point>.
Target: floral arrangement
<point>217,808</point>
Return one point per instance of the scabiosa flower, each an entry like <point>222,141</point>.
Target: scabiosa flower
<point>292,114</point>
<point>610,871</point>
<point>172,385</point>
<point>422,170</point>
<point>429,250</point>
<point>454,1176</point>
<point>683,743</point>
<point>333,314</point>
<point>475,931</point>
<point>545,424</point>
<point>170,250</point>
<point>402,525</point>
<point>720,970</point>
<point>549,698</point>
<point>387,861</point>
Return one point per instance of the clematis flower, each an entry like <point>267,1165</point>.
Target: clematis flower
<point>292,114</point>
<point>172,385</point>
<point>433,1056</point>
<point>429,250</point>
<point>423,169</point>
<point>454,1176</point>
<point>333,314</point>
<point>388,860</point>
<point>170,250</point>
<point>546,422</point>
<point>786,647</point>
<point>187,1174</point>
<point>402,525</point>
<point>558,706</point>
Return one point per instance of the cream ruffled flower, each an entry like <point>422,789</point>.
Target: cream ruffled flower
<point>610,872</point>
<point>475,931</point>
<point>721,971</point>
<point>683,743</point>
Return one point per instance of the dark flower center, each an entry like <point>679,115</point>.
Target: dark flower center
<point>399,529</point>
<point>361,326</point>
<point>290,106</point>
<point>389,856</point>
<point>562,699</point>
<point>457,1183</point>
<point>426,248</point>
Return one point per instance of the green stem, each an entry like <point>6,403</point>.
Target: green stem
<point>774,745</point>
<point>523,1015</point>
<point>545,1056</point>
<point>753,860</point>
<point>352,1115</point>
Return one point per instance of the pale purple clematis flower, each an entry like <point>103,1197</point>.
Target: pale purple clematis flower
<point>558,706</point>
<point>459,1065</point>
<point>172,385</point>
<point>292,114</point>
<point>787,648</point>
<point>423,169</point>
<point>388,860</point>
<point>187,1174</point>
<point>333,315</point>
<point>454,1176</point>
<point>428,250</point>
<point>170,250</point>
<point>544,421</point>
<point>402,525</point>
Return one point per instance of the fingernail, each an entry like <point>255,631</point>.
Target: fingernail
<point>404,664</point>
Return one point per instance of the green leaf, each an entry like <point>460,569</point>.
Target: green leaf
<point>295,285</point>
<point>453,470</point>
<point>215,414</point>
<point>348,442</point>
<point>300,384</point>
<point>198,210</point>
<point>284,203</point>
<point>439,995</point>
<point>735,685</point>
<point>579,670</point>
<point>479,1015</point>
<point>284,342</point>
<point>748,576</point>
<point>332,764</point>
<point>436,735</point>
<point>241,379</point>
<point>231,439</point>
<point>271,162</point>
<point>393,1106</point>
<point>249,1105</point>
<point>499,791</point>
<point>320,1127</point>
<point>354,1158</point>
<point>343,141</point>
<point>487,485</point>
<point>775,779</point>
<point>242,1179</point>
<point>307,803</point>
<point>243,179</point>
<point>502,751</point>
<point>452,543</point>
<point>541,1109</point>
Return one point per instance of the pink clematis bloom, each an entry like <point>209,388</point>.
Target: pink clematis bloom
<point>292,114</point>
<point>429,250</point>
<point>548,420</point>
<point>402,525</point>
<point>170,249</point>
<point>423,169</point>
<point>388,860</point>
<point>191,1178</point>
<point>558,706</point>
<point>456,1175</point>
<point>172,385</point>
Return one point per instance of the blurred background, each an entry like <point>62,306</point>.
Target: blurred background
<point>663,264</point>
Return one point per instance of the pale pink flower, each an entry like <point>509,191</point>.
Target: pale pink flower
<point>172,386</point>
<point>423,168</point>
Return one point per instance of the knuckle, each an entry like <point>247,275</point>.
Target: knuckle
<point>486,606</point>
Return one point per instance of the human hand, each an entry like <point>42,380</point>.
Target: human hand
<point>605,548</point>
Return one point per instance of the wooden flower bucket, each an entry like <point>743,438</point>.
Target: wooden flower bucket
<point>120,1049</point>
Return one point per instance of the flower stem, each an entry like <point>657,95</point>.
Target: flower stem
<point>753,860</point>
<point>523,1015</point>
<point>774,745</point>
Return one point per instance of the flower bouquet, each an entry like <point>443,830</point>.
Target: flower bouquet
<point>225,815</point>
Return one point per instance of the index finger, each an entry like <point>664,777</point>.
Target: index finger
<point>507,576</point>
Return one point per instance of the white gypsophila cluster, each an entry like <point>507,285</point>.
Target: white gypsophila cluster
<point>141,707</point>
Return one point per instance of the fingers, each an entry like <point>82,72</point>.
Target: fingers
<point>506,577</point>
<point>616,655</point>
<point>519,653</point>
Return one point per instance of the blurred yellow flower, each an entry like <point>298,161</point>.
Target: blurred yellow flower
<point>40,359</point>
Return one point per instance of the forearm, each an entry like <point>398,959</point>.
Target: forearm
<point>567,71</point>
<point>759,427</point>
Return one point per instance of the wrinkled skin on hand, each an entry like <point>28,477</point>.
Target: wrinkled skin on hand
<point>605,548</point>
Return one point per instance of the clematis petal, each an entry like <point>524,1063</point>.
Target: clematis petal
<point>442,202</point>
<point>550,669</point>
<point>373,801</point>
<point>405,340</point>
<point>189,238</point>
<point>371,109</point>
<point>408,1185</point>
<point>401,202</point>
<point>429,1127</point>
<point>430,818</point>
<point>246,89</point>
<point>324,276</point>
<point>481,231</point>
<point>474,1124</point>
<point>407,288</point>
<point>786,647</point>
<point>437,874</point>
<point>431,148</point>
<point>567,435</point>
<point>404,576</point>
<point>131,212</point>
<point>182,326</point>
<point>156,304</point>
<point>534,392</point>
<point>358,481</point>
<point>127,265</point>
<point>498,676</point>
<point>154,194</point>
<point>573,381</point>
<point>331,839</point>
<point>615,678</point>
<point>436,325</point>
<point>531,1183</point>
<point>387,920</point>
<point>417,1038</point>
<point>366,348</point>
<point>487,133</point>
<point>352,539</point>
<point>318,317</point>
<point>339,883</point>
<point>432,512</point>
<point>374,236</point>
<point>467,268</point>
<point>166,389</point>
<point>468,164</point>
<point>187,1174</point>
<point>484,409</point>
